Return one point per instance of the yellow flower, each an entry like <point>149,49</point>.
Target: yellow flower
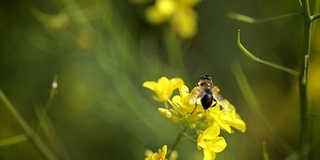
<point>184,23</point>
<point>160,155</point>
<point>181,105</point>
<point>183,99</point>
<point>226,119</point>
<point>180,14</point>
<point>235,120</point>
<point>164,87</point>
<point>210,142</point>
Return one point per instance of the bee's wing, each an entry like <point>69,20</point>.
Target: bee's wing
<point>222,102</point>
<point>195,95</point>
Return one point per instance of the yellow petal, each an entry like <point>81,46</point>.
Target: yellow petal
<point>209,155</point>
<point>184,91</point>
<point>166,7</point>
<point>150,85</point>
<point>211,132</point>
<point>148,153</point>
<point>239,125</point>
<point>184,23</point>
<point>176,83</point>
<point>163,82</point>
<point>225,126</point>
<point>154,16</point>
<point>200,142</point>
<point>164,152</point>
<point>217,145</point>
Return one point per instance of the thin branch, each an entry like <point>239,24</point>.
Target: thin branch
<point>248,19</point>
<point>264,151</point>
<point>178,139</point>
<point>314,17</point>
<point>255,106</point>
<point>13,140</point>
<point>43,114</point>
<point>34,138</point>
<point>277,66</point>
<point>300,3</point>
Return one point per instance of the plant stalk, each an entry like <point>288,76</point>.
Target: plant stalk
<point>304,121</point>
<point>178,139</point>
<point>34,138</point>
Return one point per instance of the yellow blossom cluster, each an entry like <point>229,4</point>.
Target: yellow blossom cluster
<point>161,154</point>
<point>179,13</point>
<point>206,123</point>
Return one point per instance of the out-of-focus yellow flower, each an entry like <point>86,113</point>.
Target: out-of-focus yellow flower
<point>160,155</point>
<point>210,142</point>
<point>184,23</point>
<point>164,87</point>
<point>180,13</point>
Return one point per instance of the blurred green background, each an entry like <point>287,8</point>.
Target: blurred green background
<point>102,51</point>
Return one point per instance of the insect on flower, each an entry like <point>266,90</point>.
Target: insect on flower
<point>207,93</point>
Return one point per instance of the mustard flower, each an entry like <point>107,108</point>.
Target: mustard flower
<point>182,106</point>
<point>210,142</point>
<point>226,119</point>
<point>183,99</point>
<point>164,87</point>
<point>180,13</point>
<point>160,155</point>
<point>207,123</point>
<point>235,120</point>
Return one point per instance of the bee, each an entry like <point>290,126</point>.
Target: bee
<point>207,93</point>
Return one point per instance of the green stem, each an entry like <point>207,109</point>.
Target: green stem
<point>248,19</point>
<point>13,140</point>
<point>264,151</point>
<point>277,66</point>
<point>43,113</point>
<point>305,125</point>
<point>34,138</point>
<point>315,16</point>
<point>255,106</point>
<point>173,45</point>
<point>178,139</point>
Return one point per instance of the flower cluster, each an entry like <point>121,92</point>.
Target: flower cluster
<point>161,154</point>
<point>179,13</point>
<point>207,124</point>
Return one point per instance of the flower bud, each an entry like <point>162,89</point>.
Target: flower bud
<point>165,112</point>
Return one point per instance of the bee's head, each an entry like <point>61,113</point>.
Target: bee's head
<point>205,77</point>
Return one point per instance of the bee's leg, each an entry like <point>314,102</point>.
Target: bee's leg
<point>194,109</point>
<point>214,103</point>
